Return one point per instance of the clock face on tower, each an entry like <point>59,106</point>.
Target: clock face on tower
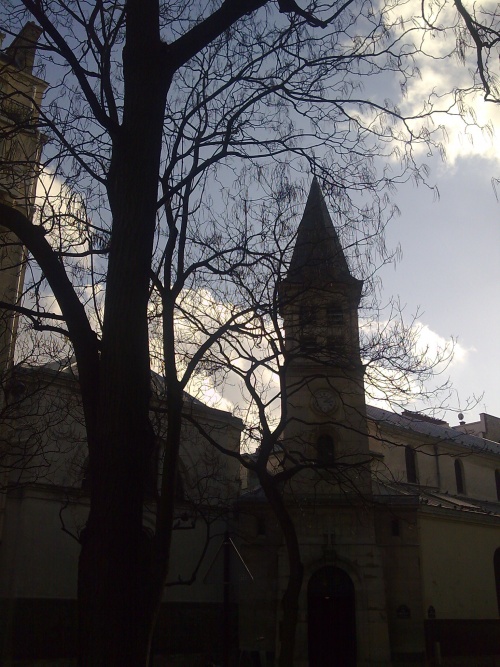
<point>324,401</point>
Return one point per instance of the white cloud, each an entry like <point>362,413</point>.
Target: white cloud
<point>204,390</point>
<point>434,344</point>
<point>428,388</point>
<point>435,81</point>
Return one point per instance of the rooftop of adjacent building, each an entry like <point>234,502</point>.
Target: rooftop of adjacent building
<point>482,436</point>
<point>21,51</point>
<point>65,371</point>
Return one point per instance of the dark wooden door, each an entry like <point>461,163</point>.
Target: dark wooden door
<point>331,619</point>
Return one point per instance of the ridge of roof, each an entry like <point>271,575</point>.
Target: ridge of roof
<point>66,369</point>
<point>393,492</point>
<point>432,430</point>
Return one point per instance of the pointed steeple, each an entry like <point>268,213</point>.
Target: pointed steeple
<point>318,256</point>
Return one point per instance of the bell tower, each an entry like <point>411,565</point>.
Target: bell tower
<point>319,301</point>
<point>20,147</point>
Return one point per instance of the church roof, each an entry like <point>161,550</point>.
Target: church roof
<point>400,493</point>
<point>318,256</point>
<point>66,369</point>
<point>438,432</point>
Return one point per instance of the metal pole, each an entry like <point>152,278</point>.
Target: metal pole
<point>226,610</point>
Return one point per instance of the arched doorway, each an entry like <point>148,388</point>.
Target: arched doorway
<point>331,619</point>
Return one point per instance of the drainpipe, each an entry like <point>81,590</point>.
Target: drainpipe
<point>226,599</point>
<point>438,472</point>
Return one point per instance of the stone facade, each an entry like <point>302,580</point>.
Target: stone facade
<point>21,94</point>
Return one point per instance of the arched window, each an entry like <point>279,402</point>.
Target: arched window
<point>459,476</point>
<point>307,316</point>
<point>86,481</point>
<point>411,465</point>
<point>325,450</point>
<point>496,566</point>
<point>179,487</point>
<point>497,482</point>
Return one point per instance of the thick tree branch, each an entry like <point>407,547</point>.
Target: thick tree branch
<point>480,44</point>
<point>184,48</point>
<point>36,318</point>
<point>32,314</point>
<point>80,332</point>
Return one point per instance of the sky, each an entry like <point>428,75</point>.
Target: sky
<point>450,267</point>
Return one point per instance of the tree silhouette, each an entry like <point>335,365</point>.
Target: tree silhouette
<point>158,118</point>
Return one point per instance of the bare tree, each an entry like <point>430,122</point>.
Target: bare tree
<point>201,102</point>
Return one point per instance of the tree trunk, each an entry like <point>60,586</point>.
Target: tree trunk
<point>290,599</point>
<point>115,586</point>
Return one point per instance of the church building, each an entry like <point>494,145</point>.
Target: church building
<point>397,516</point>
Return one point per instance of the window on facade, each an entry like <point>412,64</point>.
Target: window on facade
<point>179,487</point>
<point>497,482</point>
<point>496,566</point>
<point>307,316</point>
<point>459,476</point>
<point>325,449</point>
<point>309,344</point>
<point>411,465</point>
<point>86,482</point>
<point>336,347</point>
<point>335,314</point>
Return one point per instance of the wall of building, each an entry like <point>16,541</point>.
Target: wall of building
<point>435,463</point>
<point>391,445</point>
<point>457,565</point>
<point>46,509</point>
<point>20,97</point>
<point>398,540</point>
